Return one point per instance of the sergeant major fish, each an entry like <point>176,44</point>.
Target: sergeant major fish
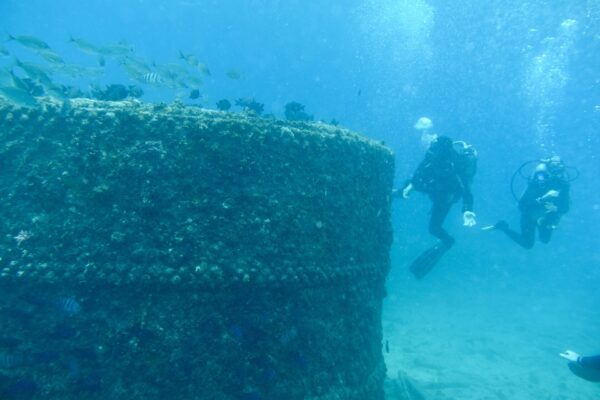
<point>172,75</point>
<point>151,78</point>
<point>68,306</point>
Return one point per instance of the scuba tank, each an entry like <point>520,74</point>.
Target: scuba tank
<point>467,160</point>
<point>551,167</point>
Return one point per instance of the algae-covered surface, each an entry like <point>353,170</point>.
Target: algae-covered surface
<point>163,251</point>
<point>128,193</point>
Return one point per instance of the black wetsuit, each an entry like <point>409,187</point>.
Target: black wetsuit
<point>587,368</point>
<point>445,177</point>
<point>534,213</point>
<point>592,362</point>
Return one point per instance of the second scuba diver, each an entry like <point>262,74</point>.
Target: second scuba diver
<point>587,368</point>
<point>544,202</point>
<point>445,175</point>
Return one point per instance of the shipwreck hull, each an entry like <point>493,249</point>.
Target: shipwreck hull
<point>154,251</point>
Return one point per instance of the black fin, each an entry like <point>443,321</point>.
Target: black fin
<point>427,260</point>
<point>589,374</point>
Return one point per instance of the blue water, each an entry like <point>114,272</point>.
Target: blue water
<point>519,80</point>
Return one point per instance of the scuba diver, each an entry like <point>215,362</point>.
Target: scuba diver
<point>445,175</point>
<point>544,202</point>
<point>587,368</point>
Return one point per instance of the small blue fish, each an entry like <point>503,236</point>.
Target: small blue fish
<point>68,306</point>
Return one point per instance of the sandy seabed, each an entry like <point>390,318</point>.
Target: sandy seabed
<point>487,333</point>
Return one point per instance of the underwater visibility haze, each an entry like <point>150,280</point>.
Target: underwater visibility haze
<point>195,145</point>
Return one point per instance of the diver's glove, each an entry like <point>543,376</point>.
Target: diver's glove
<point>549,193</point>
<point>406,191</point>
<point>570,355</point>
<point>469,219</point>
<point>548,205</point>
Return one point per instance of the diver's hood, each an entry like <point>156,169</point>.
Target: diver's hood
<point>464,148</point>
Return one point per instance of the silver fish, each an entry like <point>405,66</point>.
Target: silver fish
<point>193,61</point>
<point>172,70</point>
<point>35,71</point>
<point>77,71</point>
<point>174,76</point>
<point>84,46</point>
<point>116,50</point>
<point>9,79</point>
<point>190,59</point>
<point>50,56</point>
<point>18,96</point>
<point>204,69</point>
<point>18,82</point>
<point>30,42</point>
<point>135,66</point>
<point>194,80</point>
<point>56,91</point>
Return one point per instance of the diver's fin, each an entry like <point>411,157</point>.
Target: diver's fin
<point>589,374</point>
<point>498,226</point>
<point>428,259</point>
